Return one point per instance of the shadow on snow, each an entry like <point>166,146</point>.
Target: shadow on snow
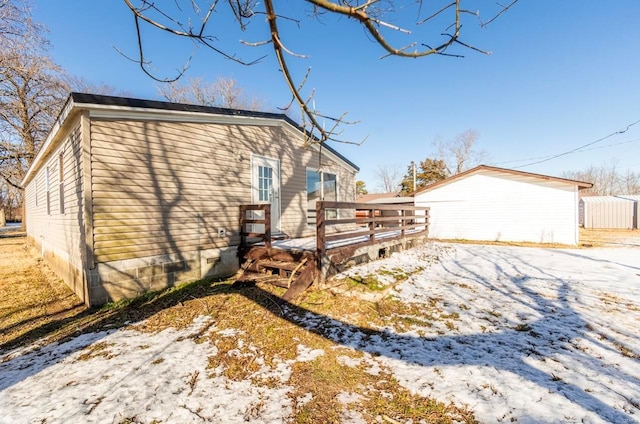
<point>559,322</point>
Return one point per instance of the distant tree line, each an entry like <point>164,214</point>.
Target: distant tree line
<point>451,157</point>
<point>33,89</point>
<point>460,154</point>
<point>607,180</point>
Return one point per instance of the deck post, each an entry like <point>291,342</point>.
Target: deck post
<point>320,237</point>
<point>426,220</point>
<point>243,217</point>
<point>267,226</point>
<point>372,226</point>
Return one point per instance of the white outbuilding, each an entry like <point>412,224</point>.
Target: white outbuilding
<point>496,204</point>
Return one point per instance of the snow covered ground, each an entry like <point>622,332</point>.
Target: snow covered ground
<point>542,339</point>
<point>524,334</point>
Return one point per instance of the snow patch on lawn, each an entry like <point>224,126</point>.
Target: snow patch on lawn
<point>161,377</point>
<point>306,354</point>
<point>542,335</point>
<point>516,334</point>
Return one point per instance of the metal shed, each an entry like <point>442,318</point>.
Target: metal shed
<point>636,209</point>
<point>608,212</point>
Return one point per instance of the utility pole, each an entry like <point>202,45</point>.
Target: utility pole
<point>413,167</point>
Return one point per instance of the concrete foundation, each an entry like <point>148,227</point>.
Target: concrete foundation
<point>341,259</point>
<point>113,281</point>
<point>117,280</point>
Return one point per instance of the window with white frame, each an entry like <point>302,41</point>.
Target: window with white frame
<point>320,186</point>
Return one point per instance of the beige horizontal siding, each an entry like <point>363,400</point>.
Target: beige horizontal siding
<point>159,232</point>
<point>153,249</point>
<point>166,187</point>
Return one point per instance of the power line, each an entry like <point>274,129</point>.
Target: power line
<point>581,147</point>
<point>583,150</point>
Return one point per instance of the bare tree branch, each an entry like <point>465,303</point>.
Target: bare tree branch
<point>31,90</point>
<point>223,92</point>
<point>460,153</point>
<point>384,21</point>
<point>389,177</point>
<point>497,15</point>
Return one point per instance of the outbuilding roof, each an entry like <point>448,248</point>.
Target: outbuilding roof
<point>635,197</point>
<point>484,168</point>
<point>608,199</point>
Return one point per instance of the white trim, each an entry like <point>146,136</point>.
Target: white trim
<point>255,156</point>
<point>46,146</point>
<point>322,172</point>
<point>576,205</point>
<point>132,113</point>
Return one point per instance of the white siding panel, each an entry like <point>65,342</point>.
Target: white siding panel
<point>502,207</point>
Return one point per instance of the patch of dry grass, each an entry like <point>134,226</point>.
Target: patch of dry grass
<point>31,295</point>
<point>375,396</point>
<point>100,349</point>
<point>252,331</point>
<point>505,243</point>
<point>595,237</point>
<point>589,237</point>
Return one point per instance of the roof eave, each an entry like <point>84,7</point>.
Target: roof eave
<point>82,101</point>
<point>66,111</point>
<point>580,184</point>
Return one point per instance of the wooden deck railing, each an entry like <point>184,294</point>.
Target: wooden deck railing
<point>371,220</point>
<point>265,220</point>
<point>366,224</point>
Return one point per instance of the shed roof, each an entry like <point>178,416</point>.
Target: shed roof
<point>512,172</point>
<point>606,199</point>
<point>635,197</point>
<point>87,101</point>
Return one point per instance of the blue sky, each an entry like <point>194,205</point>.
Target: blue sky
<point>561,74</point>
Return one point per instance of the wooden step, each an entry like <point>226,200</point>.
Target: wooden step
<point>252,278</point>
<point>295,271</point>
<point>302,282</point>
<point>287,266</point>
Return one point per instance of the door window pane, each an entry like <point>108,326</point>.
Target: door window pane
<point>265,183</point>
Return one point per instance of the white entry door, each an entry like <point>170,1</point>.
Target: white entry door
<point>265,183</point>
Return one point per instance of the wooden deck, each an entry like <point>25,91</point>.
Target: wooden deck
<point>356,233</point>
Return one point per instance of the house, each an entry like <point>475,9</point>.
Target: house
<point>496,204</point>
<point>130,195</point>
